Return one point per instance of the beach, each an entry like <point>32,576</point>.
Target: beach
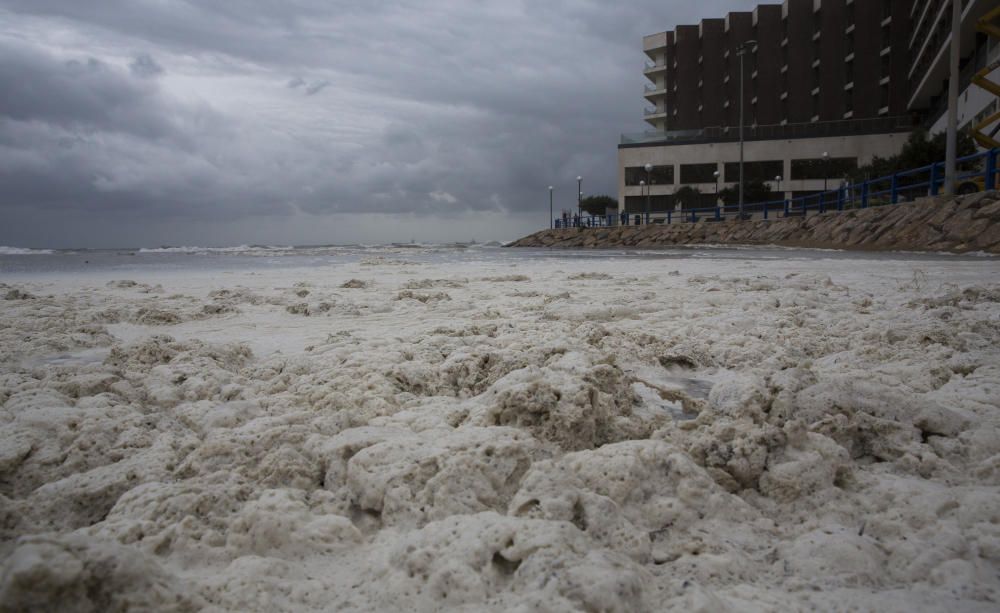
<point>469,428</point>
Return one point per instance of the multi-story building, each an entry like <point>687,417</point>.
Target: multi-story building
<point>827,85</point>
<point>929,46</point>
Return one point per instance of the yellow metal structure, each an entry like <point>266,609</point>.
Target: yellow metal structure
<point>988,25</point>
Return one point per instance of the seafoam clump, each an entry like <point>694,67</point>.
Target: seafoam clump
<point>468,560</point>
<point>355,284</point>
<point>627,496</point>
<point>585,409</point>
<point>770,435</point>
<point>78,574</point>
<point>396,477</point>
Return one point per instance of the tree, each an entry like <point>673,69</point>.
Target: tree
<point>919,150</point>
<point>753,191</point>
<point>598,205</point>
<point>688,197</point>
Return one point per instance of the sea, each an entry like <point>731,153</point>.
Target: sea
<point>28,262</point>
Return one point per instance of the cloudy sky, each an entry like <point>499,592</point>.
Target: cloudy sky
<point>222,122</point>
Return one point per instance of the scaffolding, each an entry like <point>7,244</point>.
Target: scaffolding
<point>981,132</point>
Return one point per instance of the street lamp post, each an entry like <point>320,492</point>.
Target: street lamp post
<point>826,168</point>
<point>741,51</point>
<point>716,175</point>
<point>649,184</point>
<point>579,197</point>
<point>642,188</point>
<point>551,218</point>
<point>951,127</point>
<point>777,184</point>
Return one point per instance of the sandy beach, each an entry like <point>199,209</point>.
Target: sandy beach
<point>542,434</point>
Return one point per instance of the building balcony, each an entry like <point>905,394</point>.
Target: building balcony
<point>783,131</point>
<point>654,113</point>
<point>654,68</point>
<point>653,91</point>
<point>654,42</point>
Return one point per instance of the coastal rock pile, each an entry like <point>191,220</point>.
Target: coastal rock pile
<point>962,224</point>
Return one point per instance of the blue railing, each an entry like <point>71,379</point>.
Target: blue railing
<point>890,189</point>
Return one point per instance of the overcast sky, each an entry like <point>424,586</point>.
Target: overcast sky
<point>223,122</point>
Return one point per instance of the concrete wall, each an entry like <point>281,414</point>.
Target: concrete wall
<point>861,147</point>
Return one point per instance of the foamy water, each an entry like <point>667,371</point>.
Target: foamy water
<point>473,428</point>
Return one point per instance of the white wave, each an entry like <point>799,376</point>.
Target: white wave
<point>4,250</point>
<point>237,249</point>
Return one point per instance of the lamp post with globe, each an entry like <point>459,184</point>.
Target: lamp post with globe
<point>551,218</point>
<point>649,183</point>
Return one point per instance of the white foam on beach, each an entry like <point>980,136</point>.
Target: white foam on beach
<point>561,434</point>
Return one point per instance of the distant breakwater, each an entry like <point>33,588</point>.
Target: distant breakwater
<point>960,224</point>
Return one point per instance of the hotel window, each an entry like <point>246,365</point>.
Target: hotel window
<point>818,168</point>
<point>698,173</point>
<point>660,175</point>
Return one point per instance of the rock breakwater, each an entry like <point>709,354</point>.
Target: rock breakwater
<point>962,224</point>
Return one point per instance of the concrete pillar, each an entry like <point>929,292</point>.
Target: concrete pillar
<point>786,175</point>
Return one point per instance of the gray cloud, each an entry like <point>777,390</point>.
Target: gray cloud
<point>433,109</point>
<point>145,66</point>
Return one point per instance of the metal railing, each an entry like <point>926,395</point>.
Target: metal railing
<point>815,129</point>
<point>902,186</point>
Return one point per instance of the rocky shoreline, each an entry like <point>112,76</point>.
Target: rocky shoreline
<point>961,224</point>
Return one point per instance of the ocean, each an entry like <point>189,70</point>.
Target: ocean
<point>26,262</point>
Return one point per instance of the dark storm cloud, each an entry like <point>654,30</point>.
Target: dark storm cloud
<point>145,66</point>
<point>83,93</point>
<point>427,107</point>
